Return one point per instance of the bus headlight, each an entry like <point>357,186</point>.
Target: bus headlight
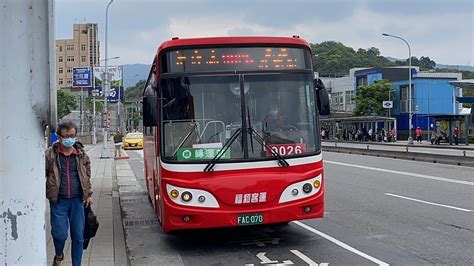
<point>290,192</point>
<point>174,193</point>
<point>205,199</point>
<point>186,196</point>
<point>307,188</point>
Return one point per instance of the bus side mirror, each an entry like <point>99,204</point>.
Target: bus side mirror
<point>150,111</point>
<point>322,97</point>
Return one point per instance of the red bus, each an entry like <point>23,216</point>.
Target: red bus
<point>232,132</point>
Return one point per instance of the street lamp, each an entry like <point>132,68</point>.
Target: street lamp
<point>410,138</point>
<point>104,152</point>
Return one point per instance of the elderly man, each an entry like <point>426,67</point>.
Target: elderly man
<point>68,189</point>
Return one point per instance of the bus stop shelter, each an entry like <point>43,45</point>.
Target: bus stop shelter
<point>338,127</point>
<point>447,123</point>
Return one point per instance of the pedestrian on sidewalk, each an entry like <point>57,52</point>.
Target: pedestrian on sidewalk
<point>456,135</point>
<point>433,137</point>
<point>118,142</point>
<point>419,133</point>
<point>68,189</point>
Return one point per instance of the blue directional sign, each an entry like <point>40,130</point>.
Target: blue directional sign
<point>114,93</point>
<point>81,77</point>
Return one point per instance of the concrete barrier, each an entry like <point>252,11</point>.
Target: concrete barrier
<point>413,156</point>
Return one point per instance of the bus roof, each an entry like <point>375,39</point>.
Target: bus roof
<point>175,42</point>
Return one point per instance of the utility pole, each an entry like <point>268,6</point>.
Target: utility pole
<point>104,152</point>
<point>27,107</point>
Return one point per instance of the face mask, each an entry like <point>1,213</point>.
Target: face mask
<point>273,113</point>
<point>69,142</point>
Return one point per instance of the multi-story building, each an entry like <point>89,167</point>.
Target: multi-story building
<point>80,51</point>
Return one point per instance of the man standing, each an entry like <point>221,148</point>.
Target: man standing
<point>118,143</point>
<point>68,187</point>
<point>456,135</point>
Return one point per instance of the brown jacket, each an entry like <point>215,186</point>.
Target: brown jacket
<point>53,175</point>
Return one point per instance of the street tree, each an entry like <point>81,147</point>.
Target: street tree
<point>89,105</point>
<point>65,103</point>
<point>369,98</point>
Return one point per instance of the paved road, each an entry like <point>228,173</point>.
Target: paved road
<point>413,148</point>
<point>378,211</point>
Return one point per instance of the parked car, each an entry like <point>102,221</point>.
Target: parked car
<point>133,141</point>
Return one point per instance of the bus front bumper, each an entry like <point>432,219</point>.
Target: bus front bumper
<point>179,217</point>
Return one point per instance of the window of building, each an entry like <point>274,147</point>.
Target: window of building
<point>69,47</point>
<point>349,97</point>
<point>337,100</point>
<point>361,81</point>
<point>60,48</point>
<point>83,47</point>
<point>60,59</point>
<point>83,58</point>
<point>69,81</point>
<point>69,69</point>
<point>404,98</point>
<point>60,71</point>
<point>70,58</point>
<point>61,81</point>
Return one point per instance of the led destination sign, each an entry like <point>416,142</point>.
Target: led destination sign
<point>238,59</point>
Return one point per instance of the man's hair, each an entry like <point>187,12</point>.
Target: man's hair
<point>66,126</point>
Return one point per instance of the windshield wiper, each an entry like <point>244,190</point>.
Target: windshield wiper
<point>281,161</point>
<point>186,138</point>
<point>212,163</point>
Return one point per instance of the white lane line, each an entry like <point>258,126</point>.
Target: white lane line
<point>341,244</point>
<point>304,257</point>
<point>427,202</point>
<point>405,173</point>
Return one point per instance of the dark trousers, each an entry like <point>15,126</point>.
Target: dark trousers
<point>65,213</point>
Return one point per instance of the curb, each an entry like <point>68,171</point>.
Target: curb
<point>412,156</point>
<point>120,249</point>
<point>398,144</point>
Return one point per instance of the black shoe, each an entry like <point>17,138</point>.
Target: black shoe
<point>58,260</point>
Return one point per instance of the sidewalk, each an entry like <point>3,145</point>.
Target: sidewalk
<point>146,245</point>
<point>108,246</point>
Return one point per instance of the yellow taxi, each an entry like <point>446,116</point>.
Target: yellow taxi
<point>133,141</point>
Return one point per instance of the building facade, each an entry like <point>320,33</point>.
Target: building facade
<point>80,51</point>
<point>434,98</point>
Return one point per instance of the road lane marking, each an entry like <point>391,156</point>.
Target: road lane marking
<point>264,259</point>
<point>427,202</point>
<point>405,173</point>
<point>305,258</point>
<point>341,244</point>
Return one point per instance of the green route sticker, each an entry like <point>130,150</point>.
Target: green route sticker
<point>192,154</point>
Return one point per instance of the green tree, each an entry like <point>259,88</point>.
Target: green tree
<point>136,91</point>
<point>89,105</point>
<point>65,103</point>
<point>136,119</point>
<point>369,98</point>
<point>425,63</point>
<point>335,59</point>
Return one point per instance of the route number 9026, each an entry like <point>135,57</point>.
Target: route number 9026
<point>287,149</point>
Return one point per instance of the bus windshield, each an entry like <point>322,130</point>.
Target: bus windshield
<point>200,113</point>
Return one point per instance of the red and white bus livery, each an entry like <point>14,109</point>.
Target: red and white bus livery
<point>232,132</point>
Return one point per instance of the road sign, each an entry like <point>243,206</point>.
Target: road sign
<point>387,104</point>
<point>81,77</point>
<point>114,93</point>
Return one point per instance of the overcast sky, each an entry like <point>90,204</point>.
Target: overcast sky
<point>440,29</point>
